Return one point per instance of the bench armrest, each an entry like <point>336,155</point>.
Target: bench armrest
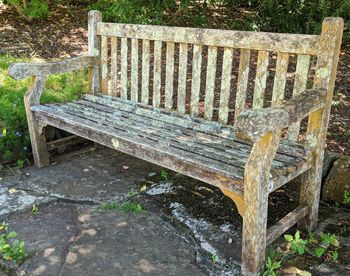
<point>253,124</point>
<point>20,71</point>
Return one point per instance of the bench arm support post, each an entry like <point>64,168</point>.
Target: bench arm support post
<point>256,178</point>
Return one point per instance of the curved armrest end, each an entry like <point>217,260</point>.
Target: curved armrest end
<point>255,123</point>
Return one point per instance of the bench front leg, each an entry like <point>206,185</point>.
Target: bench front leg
<point>36,131</point>
<point>256,177</point>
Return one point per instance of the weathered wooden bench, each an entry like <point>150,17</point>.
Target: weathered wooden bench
<point>167,95</point>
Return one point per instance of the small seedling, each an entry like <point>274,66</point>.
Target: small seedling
<point>35,209</point>
<point>271,266</point>
<point>131,193</point>
<point>214,258</point>
<point>296,243</point>
<point>20,163</point>
<point>335,256</point>
<point>346,199</point>
<point>164,175</point>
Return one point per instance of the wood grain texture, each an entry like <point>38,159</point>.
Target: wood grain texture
<point>157,54</point>
<point>134,69</point>
<point>300,82</point>
<point>196,78</point>
<point>285,223</point>
<point>20,71</point>
<point>37,135</point>
<point>94,17</point>
<point>290,43</point>
<point>326,70</point>
<point>242,82</point>
<point>225,85</point>
<point>280,79</point>
<point>124,68</point>
<point>182,81</point>
<point>114,66</point>
<point>256,179</point>
<point>104,65</point>
<point>210,83</point>
<point>169,75</point>
<point>252,124</point>
<point>145,71</point>
<point>260,79</point>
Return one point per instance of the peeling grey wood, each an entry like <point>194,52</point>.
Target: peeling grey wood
<point>254,123</point>
<point>37,134</point>
<point>300,82</point>
<point>114,66</point>
<point>94,50</point>
<point>285,223</point>
<point>157,58</point>
<point>290,43</point>
<point>104,65</point>
<point>242,82</point>
<point>181,93</point>
<point>124,68</point>
<point>196,78</point>
<point>280,79</point>
<point>169,75</point>
<point>145,71</point>
<point>20,71</point>
<point>225,85</point>
<point>260,79</point>
<point>210,83</point>
<point>134,69</point>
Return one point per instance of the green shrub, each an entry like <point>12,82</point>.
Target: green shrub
<point>31,9</point>
<point>14,137</point>
<point>299,16</point>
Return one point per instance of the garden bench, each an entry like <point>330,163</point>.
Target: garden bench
<point>165,94</point>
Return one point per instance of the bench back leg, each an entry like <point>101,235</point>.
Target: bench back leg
<point>256,177</point>
<point>37,135</point>
<point>326,70</point>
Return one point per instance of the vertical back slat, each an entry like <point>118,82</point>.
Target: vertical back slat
<point>181,94</point>
<point>134,69</point>
<point>104,65</point>
<point>225,85</point>
<point>280,79</point>
<point>169,75</point>
<point>157,72</point>
<point>124,68</point>
<point>145,71</point>
<point>300,82</point>
<point>114,65</point>
<point>196,78</point>
<point>210,82</point>
<point>260,79</point>
<point>242,82</point>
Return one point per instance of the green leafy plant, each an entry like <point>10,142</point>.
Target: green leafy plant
<point>11,249</point>
<point>271,266</point>
<point>20,163</point>
<point>164,175</point>
<point>127,206</point>
<point>31,9</point>
<point>297,244</point>
<point>346,198</point>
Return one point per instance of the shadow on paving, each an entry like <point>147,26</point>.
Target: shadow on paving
<point>188,228</point>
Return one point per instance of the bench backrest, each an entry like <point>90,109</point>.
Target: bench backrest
<point>215,74</point>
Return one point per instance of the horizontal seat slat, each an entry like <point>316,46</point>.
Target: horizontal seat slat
<point>232,150</point>
<point>279,42</point>
<point>204,169</point>
<point>144,125</point>
<point>225,133</point>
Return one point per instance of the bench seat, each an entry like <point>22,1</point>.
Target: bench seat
<point>205,150</point>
